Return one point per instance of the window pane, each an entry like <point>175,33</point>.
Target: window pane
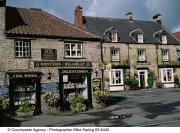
<point>165,55</point>
<point>116,77</point>
<point>164,39</point>
<point>115,54</point>
<point>140,38</point>
<point>141,55</point>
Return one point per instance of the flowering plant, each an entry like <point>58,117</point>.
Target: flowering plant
<point>51,99</point>
<point>100,96</point>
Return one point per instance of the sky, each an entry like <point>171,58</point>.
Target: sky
<point>142,9</point>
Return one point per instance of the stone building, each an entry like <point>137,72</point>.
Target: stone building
<point>40,51</point>
<point>134,48</point>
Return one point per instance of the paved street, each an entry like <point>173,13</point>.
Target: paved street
<point>133,108</point>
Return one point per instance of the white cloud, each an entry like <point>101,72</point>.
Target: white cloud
<point>92,9</point>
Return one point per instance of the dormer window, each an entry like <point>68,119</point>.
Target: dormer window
<point>137,35</point>
<point>164,39</point>
<point>111,34</point>
<point>140,38</point>
<point>114,37</point>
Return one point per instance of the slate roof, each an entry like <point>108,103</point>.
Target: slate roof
<point>177,35</point>
<point>35,22</point>
<point>98,25</point>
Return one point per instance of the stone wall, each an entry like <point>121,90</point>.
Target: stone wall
<point>91,52</point>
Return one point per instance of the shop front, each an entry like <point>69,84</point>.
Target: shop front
<point>25,85</point>
<point>75,80</point>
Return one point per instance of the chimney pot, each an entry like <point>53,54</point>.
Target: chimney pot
<point>129,16</point>
<point>157,18</point>
<point>78,17</point>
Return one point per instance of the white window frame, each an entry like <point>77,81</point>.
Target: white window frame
<point>73,49</point>
<point>165,55</point>
<point>114,37</point>
<point>113,77</point>
<point>22,48</point>
<point>140,38</point>
<point>164,74</point>
<point>164,39</point>
<point>115,53</point>
<point>141,53</point>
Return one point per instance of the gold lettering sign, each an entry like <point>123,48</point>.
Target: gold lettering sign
<point>61,64</point>
<point>48,54</point>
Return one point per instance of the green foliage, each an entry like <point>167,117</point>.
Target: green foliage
<point>25,107</point>
<point>51,99</point>
<point>151,79</point>
<point>77,104</point>
<point>100,96</point>
<point>132,83</point>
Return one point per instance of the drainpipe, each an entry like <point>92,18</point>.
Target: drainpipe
<point>129,59</point>
<point>102,60</point>
<point>157,60</point>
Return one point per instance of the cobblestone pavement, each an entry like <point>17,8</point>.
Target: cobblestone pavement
<point>160,107</point>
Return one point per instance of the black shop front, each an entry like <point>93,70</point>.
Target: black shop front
<point>75,80</point>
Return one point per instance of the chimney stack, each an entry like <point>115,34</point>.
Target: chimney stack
<point>129,16</point>
<point>2,3</point>
<point>157,18</point>
<point>78,17</point>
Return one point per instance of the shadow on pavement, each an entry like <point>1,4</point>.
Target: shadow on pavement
<point>6,121</point>
<point>156,109</point>
<point>112,100</point>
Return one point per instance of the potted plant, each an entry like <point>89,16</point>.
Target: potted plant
<point>25,109</point>
<point>131,84</point>
<point>51,101</point>
<point>77,104</point>
<point>99,99</point>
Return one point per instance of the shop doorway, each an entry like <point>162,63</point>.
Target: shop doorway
<point>72,83</point>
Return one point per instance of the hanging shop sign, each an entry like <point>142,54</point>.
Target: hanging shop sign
<point>61,64</point>
<point>74,71</point>
<point>96,83</point>
<point>48,54</point>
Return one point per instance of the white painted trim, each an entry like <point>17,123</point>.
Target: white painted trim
<point>172,74</point>
<point>122,78</point>
<point>146,76</point>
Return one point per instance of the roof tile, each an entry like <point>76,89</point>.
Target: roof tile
<point>40,23</point>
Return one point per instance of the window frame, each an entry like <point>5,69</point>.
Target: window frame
<point>138,60</point>
<point>166,75</point>
<point>114,37</point>
<point>76,49</point>
<point>167,55</point>
<point>162,39</point>
<point>121,77</point>
<point>118,54</point>
<point>22,51</point>
<point>140,38</point>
